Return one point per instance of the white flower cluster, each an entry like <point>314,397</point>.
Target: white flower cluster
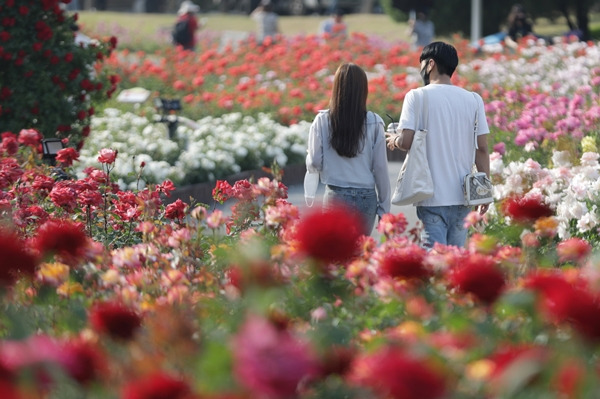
<point>561,69</point>
<point>573,191</point>
<point>209,149</point>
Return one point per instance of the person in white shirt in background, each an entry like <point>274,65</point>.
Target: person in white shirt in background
<point>346,146</point>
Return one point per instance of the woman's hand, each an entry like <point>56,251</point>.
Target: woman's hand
<point>392,140</point>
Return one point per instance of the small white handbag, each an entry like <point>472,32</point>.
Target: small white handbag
<point>477,187</point>
<point>414,182</point>
<point>311,184</point>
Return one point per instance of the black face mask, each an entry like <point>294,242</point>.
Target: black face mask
<point>425,75</point>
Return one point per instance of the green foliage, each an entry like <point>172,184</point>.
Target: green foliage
<point>48,82</point>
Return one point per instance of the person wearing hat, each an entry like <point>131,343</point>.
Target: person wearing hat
<point>184,33</point>
<point>267,20</point>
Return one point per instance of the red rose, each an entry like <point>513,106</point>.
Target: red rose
<point>395,374</point>
<point>107,156</point>
<point>330,235</point>
<point>573,250</point>
<point>157,385</point>
<point>526,209</point>
<point>15,258</point>
<point>30,137</point>
<point>61,236</point>
<point>83,361</point>
<point>478,275</point>
<point>4,36</point>
<point>115,319</point>
<point>67,156</point>
<point>405,263</point>
<point>68,57</point>
<point>176,210</point>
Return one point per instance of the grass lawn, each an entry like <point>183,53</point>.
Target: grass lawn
<point>144,27</point>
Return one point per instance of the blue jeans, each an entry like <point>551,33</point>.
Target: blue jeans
<point>363,200</point>
<point>444,224</point>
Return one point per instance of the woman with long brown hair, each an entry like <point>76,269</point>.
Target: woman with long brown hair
<point>346,146</point>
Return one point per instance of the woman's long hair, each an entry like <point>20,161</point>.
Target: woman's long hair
<point>348,109</point>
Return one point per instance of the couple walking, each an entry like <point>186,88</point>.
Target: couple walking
<point>347,146</point>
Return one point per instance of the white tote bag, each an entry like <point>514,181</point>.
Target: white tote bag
<point>414,182</point>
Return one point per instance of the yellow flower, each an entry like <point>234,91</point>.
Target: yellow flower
<point>546,226</point>
<point>69,288</point>
<point>53,273</point>
<point>588,144</point>
<point>480,369</point>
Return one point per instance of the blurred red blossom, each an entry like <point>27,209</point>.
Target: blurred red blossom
<point>330,235</point>
<point>115,319</point>
<point>478,275</point>
<point>573,250</point>
<point>526,209</point>
<point>405,263</point>
<point>394,373</point>
<point>61,236</point>
<point>567,301</point>
<point>15,258</point>
<point>83,360</point>
<point>157,385</point>
<point>270,361</point>
<point>30,137</point>
<point>392,225</point>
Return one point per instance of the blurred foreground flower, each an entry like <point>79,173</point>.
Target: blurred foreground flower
<point>329,235</point>
<point>526,209</point>
<point>115,319</point>
<point>15,258</point>
<point>157,385</point>
<point>270,361</point>
<point>395,374</point>
<point>478,275</point>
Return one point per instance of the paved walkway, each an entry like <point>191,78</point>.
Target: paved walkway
<point>296,197</point>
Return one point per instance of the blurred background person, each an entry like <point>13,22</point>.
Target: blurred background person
<point>520,25</point>
<point>421,28</point>
<point>184,32</point>
<point>334,27</point>
<point>267,22</point>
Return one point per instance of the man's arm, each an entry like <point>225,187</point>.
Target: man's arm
<point>482,155</point>
<point>482,162</point>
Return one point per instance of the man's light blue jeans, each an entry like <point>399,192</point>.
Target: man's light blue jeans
<point>363,200</point>
<point>444,224</point>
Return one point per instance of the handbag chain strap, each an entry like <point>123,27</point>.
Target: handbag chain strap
<point>475,128</point>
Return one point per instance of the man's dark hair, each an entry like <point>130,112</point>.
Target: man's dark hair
<point>443,54</point>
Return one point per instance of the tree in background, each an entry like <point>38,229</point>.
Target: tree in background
<point>49,82</point>
<point>454,16</point>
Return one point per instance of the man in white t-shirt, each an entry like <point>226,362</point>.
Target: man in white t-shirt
<point>450,143</point>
